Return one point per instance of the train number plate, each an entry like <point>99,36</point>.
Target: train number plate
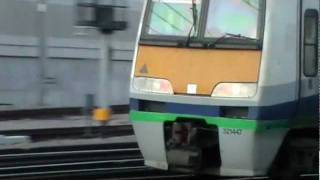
<point>236,132</point>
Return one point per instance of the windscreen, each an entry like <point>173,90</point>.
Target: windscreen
<point>173,17</point>
<point>233,16</point>
<point>205,20</point>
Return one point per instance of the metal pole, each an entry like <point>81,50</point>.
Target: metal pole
<point>104,71</point>
<point>87,110</point>
<point>103,113</point>
<point>42,41</point>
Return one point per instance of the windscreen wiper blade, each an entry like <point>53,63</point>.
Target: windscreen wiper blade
<point>240,36</point>
<point>231,35</point>
<point>194,24</point>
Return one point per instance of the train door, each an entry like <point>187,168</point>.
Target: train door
<point>309,47</point>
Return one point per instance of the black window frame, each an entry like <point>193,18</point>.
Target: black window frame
<point>311,13</point>
<point>200,41</point>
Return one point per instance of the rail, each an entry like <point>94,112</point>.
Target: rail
<point>116,160</point>
<point>70,132</point>
<point>101,162</point>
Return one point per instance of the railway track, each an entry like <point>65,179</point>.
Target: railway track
<point>71,132</point>
<point>101,161</point>
<point>119,160</point>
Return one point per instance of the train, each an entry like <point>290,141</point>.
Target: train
<point>228,87</point>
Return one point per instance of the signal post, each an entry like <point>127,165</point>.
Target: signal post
<point>101,15</point>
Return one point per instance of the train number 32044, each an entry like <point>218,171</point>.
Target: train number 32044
<point>236,132</point>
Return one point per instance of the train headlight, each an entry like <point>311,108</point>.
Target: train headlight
<point>235,90</point>
<point>152,85</point>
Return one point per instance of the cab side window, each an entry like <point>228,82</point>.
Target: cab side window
<point>311,20</point>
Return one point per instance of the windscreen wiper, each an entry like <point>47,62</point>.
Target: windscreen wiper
<point>230,35</point>
<point>194,24</point>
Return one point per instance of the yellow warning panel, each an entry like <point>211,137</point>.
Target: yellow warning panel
<point>203,68</point>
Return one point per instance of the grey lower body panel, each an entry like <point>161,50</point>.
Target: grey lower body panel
<point>250,153</point>
<point>151,143</point>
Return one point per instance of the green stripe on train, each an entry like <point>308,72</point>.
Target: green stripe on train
<point>219,121</point>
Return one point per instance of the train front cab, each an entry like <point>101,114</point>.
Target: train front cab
<point>231,98</point>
